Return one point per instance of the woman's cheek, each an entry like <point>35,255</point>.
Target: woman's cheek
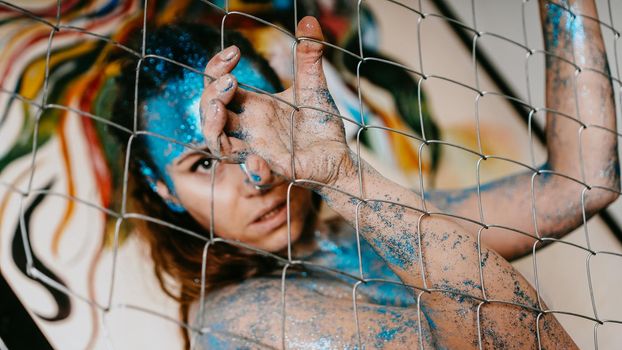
<point>228,212</point>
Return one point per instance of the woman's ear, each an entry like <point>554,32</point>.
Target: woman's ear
<point>159,187</point>
<point>170,200</point>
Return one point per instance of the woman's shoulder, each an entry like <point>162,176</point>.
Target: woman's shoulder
<point>257,289</point>
<point>228,317</point>
<point>257,314</point>
<point>249,313</point>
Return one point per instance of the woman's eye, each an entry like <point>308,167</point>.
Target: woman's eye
<point>201,165</point>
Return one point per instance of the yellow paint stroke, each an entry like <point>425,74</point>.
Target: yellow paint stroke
<point>24,34</point>
<point>171,12</point>
<point>243,6</point>
<point>34,74</point>
<point>406,156</point>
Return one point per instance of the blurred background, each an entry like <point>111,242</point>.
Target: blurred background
<point>61,176</point>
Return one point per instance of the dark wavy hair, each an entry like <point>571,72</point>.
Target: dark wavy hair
<point>176,255</point>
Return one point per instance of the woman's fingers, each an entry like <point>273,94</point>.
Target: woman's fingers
<point>223,88</point>
<point>309,72</point>
<point>224,85</point>
<point>214,116</point>
<point>221,64</point>
<point>217,94</point>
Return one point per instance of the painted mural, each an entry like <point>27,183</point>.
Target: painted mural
<point>62,180</point>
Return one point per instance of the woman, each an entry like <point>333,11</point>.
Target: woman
<point>216,160</point>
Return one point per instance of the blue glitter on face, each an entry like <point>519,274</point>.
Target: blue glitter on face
<point>149,175</point>
<point>174,112</point>
<point>246,73</point>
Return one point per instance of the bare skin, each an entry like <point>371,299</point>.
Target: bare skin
<point>508,202</point>
<point>430,252</point>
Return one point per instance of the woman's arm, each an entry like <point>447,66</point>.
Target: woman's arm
<point>437,253</point>
<point>578,94</point>
<point>430,251</point>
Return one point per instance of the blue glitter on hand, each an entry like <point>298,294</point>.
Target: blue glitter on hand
<point>255,177</point>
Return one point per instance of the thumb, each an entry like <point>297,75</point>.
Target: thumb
<point>309,73</point>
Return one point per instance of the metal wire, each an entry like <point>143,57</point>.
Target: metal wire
<point>424,77</point>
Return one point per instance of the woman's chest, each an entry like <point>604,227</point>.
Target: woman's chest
<point>343,267</point>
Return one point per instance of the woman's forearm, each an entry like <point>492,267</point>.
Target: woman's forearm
<point>578,86</point>
<point>581,142</point>
<point>435,252</point>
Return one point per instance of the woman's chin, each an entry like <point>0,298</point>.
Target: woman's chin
<point>278,240</point>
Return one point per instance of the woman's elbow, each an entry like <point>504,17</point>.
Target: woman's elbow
<point>605,187</point>
<point>599,198</point>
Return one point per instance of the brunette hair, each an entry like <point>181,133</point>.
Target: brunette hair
<point>176,255</point>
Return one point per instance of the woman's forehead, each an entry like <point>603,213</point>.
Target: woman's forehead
<point>173,115</point>
<point>173,112</point>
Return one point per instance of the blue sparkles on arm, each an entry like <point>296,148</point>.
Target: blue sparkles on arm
<point>508,202</point>
<point>551,201</point>
<point>437,256</point>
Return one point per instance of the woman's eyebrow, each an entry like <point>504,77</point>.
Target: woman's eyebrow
<point>201,151</point>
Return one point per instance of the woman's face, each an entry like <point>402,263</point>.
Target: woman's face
<point>241,212</point>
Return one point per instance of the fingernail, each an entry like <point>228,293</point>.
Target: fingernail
<point>228,53</point>
<point>225,83</point>
<point>256,178</point>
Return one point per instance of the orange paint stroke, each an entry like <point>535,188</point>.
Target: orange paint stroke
<point>69,209</point>
<point>406,155</point>
<point>91,291</point>
<point>172,11</point>
<point>77,88</point>
<point>34,81</point>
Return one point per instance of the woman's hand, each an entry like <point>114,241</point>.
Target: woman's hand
<point>260,126</point>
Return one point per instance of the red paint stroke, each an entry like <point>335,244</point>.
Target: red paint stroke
<point>51,11</point>
<point>97,157</point>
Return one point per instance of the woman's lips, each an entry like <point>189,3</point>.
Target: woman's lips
<point>271,220</point>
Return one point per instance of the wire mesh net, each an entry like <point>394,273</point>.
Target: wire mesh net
<point>59,30</point>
